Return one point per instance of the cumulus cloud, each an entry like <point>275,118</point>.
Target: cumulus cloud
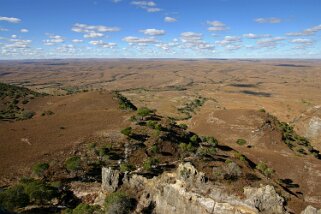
<point>66,49</point>
<point>230,43</point>
<point>77,41</point>
<point>149,6</point>
<point>139,41</point>
<point>24,30</point>
<point>93,31</point>
<point>10,19</point>
<point>84,28</point>
<point>255,36</point>
<point>103,44</point>
<point>116,1</point>
<point>216,26</point>
<point>18,43</point>
<point>153,32</point>
<point>169,19</point>
<point>307,32</point>
<point>195,41</point>
<point>93,35</point>
<point>269,43</point>
<point>271,20</point>
<point>53,40</point>
<point>228,40</point>
<point>302,41</point>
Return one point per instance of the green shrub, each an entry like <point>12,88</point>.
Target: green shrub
<point>149,163</point>
<point>212,141</point>
<point>127,131</point>
<point>144,112</point>
<point>38,191</point>
<point>194,139</point>
<point>154,149</point>
<point>73,163</point>
<point>241,142</point>
<point>202,151</point>
<point>27,115</point>
<point>183,126</point>
<point>85,209</point>
<point>118,203</point>
<point>187,147</point>
<point>158,127</point>
<point>13,198</point>
<point>126,167</point>
<point>40,168</point>
<point>151,124</point>
<point>263,168</point>
<point>124,103</point>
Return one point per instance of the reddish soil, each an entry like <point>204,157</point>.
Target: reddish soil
<point>22,143</point>
<point>263,144</point>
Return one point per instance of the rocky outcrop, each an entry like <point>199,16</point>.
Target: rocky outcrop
<point>264,199</point>
<point>311,210</point>
<point>187,191</point>
<point>110,179</point>
<point>308,124</point>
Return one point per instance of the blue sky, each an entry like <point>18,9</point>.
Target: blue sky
<point>160,29</point>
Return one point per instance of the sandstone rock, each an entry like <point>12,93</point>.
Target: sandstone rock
<point>110,179</point>
<point>187,172</point>
<point>186,191</point>
<point>264,199</point>
<point>311,210</point>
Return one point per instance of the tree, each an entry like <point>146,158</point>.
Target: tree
<point>144,112</point>
<point>13,198</point>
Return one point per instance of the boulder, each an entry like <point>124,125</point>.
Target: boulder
<point>311,210</point>
<point>264,199</point>
<point>111,179</point>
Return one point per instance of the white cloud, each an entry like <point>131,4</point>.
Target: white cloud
<point>302,41</point>
<point>170,19</point>
<point>149,6</point>
<point>93,35</point>
<point>116,1</point>
<point>18,43</point>
<point>77,41</point>
<point>103,44</point>
<point>271,20</point>
<point>269,43</point>
<point>3,29</point>
<point>84,28</point>
<point>255,36</point>
<point>10,19</point>
<point>194,40</point>
<point>14,36</point>
<point>140,41</point>
<point>228,40</point>
<point>144,3</point>
<point>53,40</point>
<point>306,32</point>
<point>153,9</point>
<point>24,30</point>
<point>153,32</point>
<point>216,26</point>
<point>66,49</point>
